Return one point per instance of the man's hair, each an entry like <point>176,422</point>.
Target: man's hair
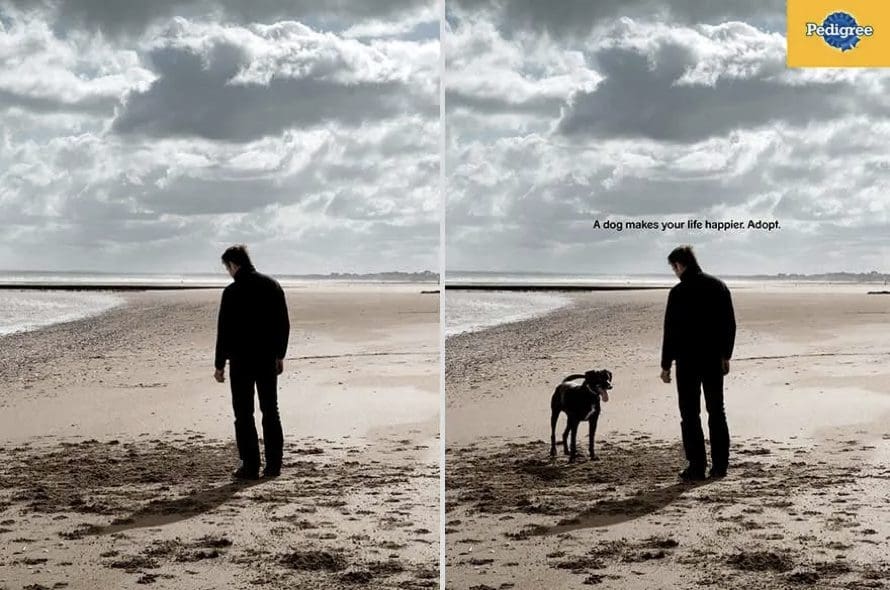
<point>683,255</point>
<point>237,254</point>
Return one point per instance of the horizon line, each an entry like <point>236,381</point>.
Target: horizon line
<point>221,274</point>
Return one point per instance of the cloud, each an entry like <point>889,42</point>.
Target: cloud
<point>675,84</point>
<point>151,145</point>
<point>44,73</point>
<point>240,84</point>
<point>577,18</point>
<point>88,191</point>
<point>489,74</point>
<point>532,200</point>
<point>115,18</point>
<point>665,111</point>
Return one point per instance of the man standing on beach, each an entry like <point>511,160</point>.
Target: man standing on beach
<point>252,335</point>
<point>699,334</point>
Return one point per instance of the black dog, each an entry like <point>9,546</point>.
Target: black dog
<point>579,402</point>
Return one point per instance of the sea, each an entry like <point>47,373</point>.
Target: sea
<point>30,300</point>
<point>471,311</point>
<point>556,280</point>
<point>465,311</point>
<point>24,310</point>
<point>474,310</point>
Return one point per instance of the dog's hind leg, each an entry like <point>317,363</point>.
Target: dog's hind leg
<point>565,436</point>
<point>554,418</point>
<point>592,432</point>
<point>574,452</point>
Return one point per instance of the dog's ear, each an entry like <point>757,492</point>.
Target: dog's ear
<point>609,373</point>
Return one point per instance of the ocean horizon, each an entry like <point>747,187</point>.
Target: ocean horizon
<point>457,279</point>
<point>112,280</point>
<point>30,300</point>
<point>478,300</point>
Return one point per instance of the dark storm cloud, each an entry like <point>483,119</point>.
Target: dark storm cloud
<point>639,100</point>
<point>192,97</point>
<point>133,16</point>
<point>578,17</point>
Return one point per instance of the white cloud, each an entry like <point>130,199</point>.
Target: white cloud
<point>487,72</point>
<point>81,72</point>
<point>670,111</point>
<point>345,177</point>
<point>425,13</point>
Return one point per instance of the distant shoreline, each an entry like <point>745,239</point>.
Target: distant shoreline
<point>831,277</point>
<point>98,287</point>
<point>179,286</point>
<point>555,287</point>
<point>588,286</point>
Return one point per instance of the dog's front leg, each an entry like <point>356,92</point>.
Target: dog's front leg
<point>592,432</point>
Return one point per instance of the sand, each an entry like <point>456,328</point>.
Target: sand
<point>804,505</point>
<point>117,445</point>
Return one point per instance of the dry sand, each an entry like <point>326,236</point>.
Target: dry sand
<point>806,501</point>
<point>117,445</point>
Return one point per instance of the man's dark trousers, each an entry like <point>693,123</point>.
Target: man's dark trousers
<point>693,377</point>
<point>244,376</point>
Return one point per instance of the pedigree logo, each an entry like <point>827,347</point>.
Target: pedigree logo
<point>838,33</point>
<point>840,30</point>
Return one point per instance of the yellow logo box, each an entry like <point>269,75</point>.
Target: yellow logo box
<point>838,34</point>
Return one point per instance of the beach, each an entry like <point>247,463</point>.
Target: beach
<point>804,504</point>
<point>117,447</point>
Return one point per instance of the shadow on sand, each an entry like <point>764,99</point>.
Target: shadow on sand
<point>611,512</point>
<point>167,511</point>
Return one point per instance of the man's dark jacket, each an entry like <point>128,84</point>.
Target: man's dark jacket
<point>253,322</point>
<point>699,323</point>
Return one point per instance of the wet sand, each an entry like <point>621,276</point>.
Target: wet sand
<point>805,503</point>
<point>117,446</point>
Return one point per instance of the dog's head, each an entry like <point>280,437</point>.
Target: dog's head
<point>599,382</point>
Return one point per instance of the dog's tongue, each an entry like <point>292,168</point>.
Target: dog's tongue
<point>604,394</point>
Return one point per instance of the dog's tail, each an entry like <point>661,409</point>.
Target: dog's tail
<point>573,377</point>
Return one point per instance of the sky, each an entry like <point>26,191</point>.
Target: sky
<point>562,114</point>
<point>147,136</point>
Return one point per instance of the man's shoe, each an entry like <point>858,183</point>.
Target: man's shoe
<point>248,474</point>
<point>270,473</point>
<point>717,472</point>
<point>692,474</point>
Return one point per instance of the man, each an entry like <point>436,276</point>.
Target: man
<point>699,334</point>
<point>252,335</point>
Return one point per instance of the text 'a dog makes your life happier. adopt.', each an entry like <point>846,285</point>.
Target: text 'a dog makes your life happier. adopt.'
<point>690,224</point>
